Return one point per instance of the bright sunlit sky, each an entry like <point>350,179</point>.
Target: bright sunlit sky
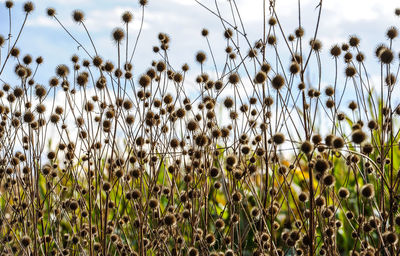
<point>183,21</point>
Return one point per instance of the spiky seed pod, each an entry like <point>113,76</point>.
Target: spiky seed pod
<point>169,219</point>
<point>368,191</point>
<point>338,143</point>
<point>390,79</point>
<point>118,35</point>
<point>303,197</point>
<point>390,237</point>
<point>143,2</point>
<point>271,40</point>
<point>228,33</point>
<point>51,12</point>
<point>392,33</point>
<point>144,80</point>
<point>28,117</point>
<point>234,78</point>
<point>278,82</point>
<point>260,77</point>
<point>335,51</point>
<point>237,197</point>
<point>350,71</point>
<point>328,180</point>
<point>28,7</point>
<point>294,68</point>
<point>9,4</point>
<point>306,147</point>
<point>386,56</point>
<point>106,186</point>
<point>353,105</point>
<point>78,16</point>
<point>321,165</point>
<point>343,193</point>
<point>367,148</point>
<point>358,136</point>
<point>278,138</point>
<point>354,41</point>
<point>201,57</point>
<point>316,45</point>
<point>320,201</point>
<point>127,17</point>
<point>299,32</point>
<point>25,241</point>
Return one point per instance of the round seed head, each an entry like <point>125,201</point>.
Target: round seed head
<point>306,147</point>
<point>335,51</point>
<point>127,17</point>
<point>28,7</point>
<point>338,143</point>
<point>278,138</point>
<point>51,12</point>
<point>278,82</point>
<point>358,136</point>
<point>118,35</point>
<point>392,33</point>
<point>25,241</point>
<point>201,57</point>
<point>343,193</point>
<point>78,16</point>
<point>354,41</point>
<point>368,191</point>
<point>234,78</point>
<point>386,56</point>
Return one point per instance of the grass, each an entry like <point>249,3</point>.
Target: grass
<point>259,162</point>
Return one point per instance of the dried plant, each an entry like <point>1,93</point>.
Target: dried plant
<point>261,161</point>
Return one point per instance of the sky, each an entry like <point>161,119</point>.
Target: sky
<point>183,21</point>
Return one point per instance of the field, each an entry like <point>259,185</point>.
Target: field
<point>258,155</point>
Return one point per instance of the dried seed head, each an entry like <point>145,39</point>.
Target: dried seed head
<point>390,237</point>
<point>51,12</point>
<point>358,136</point>
<point>278,138</point>
<point>328,180</point>
<point>143,2</point>
<point>350,71</point>
<point>78,16</point>
<point>118,35</point>
<point>28,7</point>
<point>368,191</point>
<point>386,56</point>
<point>25,241</point>
<point>321,165</point>
<point>201,57</point>
<point>260,77</point>
<point>127,17</point>
<point>278,82</point>
<point>106,186</point>
<point>303,197</point>
<point>338,143</point>
<point>392,33</point>
<point>335,51</point>
<point>228,33</point>
<point>9,4</point>
<point>343,193</point>
<point>169,219</point>
<point>234,78</point>
<point>354,41</point>
<point>193,252</point>
<point>306,147</point>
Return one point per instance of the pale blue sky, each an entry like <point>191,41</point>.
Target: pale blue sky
<point>183,21</point>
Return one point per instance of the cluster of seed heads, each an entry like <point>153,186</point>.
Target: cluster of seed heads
<point>133,164</point>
